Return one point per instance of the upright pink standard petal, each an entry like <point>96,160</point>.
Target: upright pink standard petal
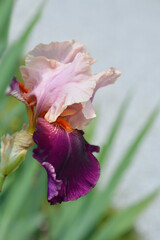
<point>58,76</point>
<point>63,52</point>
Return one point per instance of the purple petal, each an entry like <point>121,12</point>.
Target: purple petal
<point>54,184</point>
<point>71,167</point>
<point>14,90</point>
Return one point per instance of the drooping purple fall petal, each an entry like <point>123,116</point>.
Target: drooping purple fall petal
<point>71,167</point>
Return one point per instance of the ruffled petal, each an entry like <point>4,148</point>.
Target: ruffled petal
<point>40,69</point>
<point>87,113</point>
<point>54,185</point>
<point>105,78</point>
<point>63,52</point>
<point>82,117</point>
<point>71,167</point>
<point>75,83</point>
<point>58,76</point>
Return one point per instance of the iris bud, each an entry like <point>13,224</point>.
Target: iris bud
<point>13,150</point>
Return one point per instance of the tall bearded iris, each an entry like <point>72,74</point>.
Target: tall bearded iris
<point>58,91</point>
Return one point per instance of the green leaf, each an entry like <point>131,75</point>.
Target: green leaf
<point>128,156</point>
<point>12,58</point>
<point>101,203</point>
<point>90,130</point>
<point>123,221</point>
<point>25,227</point>
<point>17,196</point>
<point>6,7</point>
<point>9,117</point>
<point>69,213</point>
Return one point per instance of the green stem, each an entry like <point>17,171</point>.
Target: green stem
<point>2,178</point>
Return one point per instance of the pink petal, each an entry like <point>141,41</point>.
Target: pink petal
<point>61,87</point>
<point>87,113</point>
<point>105,78</point>
<point>63,52</point>
<point>82,117</point>
<point>58,77</point>
<point>38,69</point>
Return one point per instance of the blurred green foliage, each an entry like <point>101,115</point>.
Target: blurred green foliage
<point>25,213</point>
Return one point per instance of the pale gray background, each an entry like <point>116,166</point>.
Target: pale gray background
<point>126,35</point>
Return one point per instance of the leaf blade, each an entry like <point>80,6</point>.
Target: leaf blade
<point>124,220</point>
<point>106,148</point>
<point>6,8</point>
<point>12,58</point>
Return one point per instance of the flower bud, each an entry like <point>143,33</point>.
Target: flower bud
<point>13,151</point>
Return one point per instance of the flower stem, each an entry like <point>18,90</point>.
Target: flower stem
<point>2,178</point>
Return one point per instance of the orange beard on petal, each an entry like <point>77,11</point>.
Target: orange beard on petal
<point>62,123</point>
<point>22,88</point>
<point>24,92</point>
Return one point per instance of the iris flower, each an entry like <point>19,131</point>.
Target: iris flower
<point>58,91</point>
